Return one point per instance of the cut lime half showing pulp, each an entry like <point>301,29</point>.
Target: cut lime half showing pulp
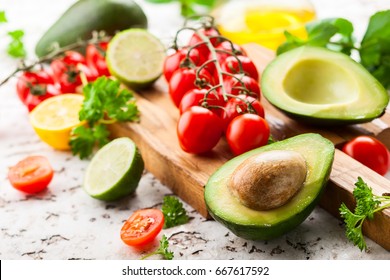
<point>135,57</point>
<point>115,170</point>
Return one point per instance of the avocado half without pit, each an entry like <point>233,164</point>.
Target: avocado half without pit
<point>267,192</point>
<point>323,87</point>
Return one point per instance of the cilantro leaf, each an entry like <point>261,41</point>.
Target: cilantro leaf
<point>174,212</point>
<point>375,47</point>
<point>16,47</point>
<point>84,139</point>
<point>163,250</point>
<point>3,18</point>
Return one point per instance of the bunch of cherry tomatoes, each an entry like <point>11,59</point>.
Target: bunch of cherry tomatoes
<point>63,75</point>
<point>216,88</point>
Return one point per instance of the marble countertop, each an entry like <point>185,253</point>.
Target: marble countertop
<point>65,223</point>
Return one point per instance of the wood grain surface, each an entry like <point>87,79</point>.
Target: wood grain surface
<point>186,174</point>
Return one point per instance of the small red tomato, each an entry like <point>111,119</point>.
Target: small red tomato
<point>232,65</point>
<point>95,58</point>
<point>142,227</point>
<point>73,58</point>
<point>199,130</point>
<point>212,33</point>
<point>173,61</point>
<point>184,79</point>
<point>242,104</point>
<point>196,97</point>
<point>247,132</point>
<point>31,175</point>
<point>242,84</point>
<point>370,152</point>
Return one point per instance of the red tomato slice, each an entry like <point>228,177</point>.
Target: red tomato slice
<point>142,227</point>
<point>31,175</point>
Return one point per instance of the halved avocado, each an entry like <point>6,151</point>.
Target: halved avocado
<point>253,224</point>
<point>324,87</point>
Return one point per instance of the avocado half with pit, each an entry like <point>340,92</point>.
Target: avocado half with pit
<point>323,87</point>
<point>247,221</point>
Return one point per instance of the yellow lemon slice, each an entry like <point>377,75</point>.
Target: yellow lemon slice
<point>54,119</point>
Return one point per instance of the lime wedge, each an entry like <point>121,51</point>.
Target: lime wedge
<point>135,57</point>
<point>114,171</point>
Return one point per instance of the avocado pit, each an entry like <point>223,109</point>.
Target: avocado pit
<point>268,180</point>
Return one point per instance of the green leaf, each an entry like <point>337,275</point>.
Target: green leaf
<point>292,42</point>
<point>163,250</point>
<point>16,47</point>
<point>375,47</point>
<point>160,1</point>
<point>174,212</point>
<point>207,3</point>
<point>3,18</point>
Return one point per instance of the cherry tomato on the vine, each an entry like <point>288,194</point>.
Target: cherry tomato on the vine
<point>95,58</point>
<point>370,152</point>
<point>199,130</point>
<point>238,106</point>
<point>142,227</point>
<point>242,84</point>
<point>208,32</point>
<point>247,132</point>
<point>173,61</point>
<point>31,175</point>
<point>196,97</point>
<point>183,80</point>
<point>73,58</point>
<point>232,65</point>
<point>34,87</point>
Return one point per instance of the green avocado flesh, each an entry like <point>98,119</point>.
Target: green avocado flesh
<point>263,225</point>
<point>320,86</point>
<point>86,16</point>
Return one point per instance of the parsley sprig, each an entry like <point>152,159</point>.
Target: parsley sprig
<point>163,250</point>
<point>174,212</point>
<point>367,204</point>
<point>337,34</point>
<point>16,47</point>
<point>105,103</point>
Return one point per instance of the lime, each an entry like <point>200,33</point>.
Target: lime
<point>54,118</point>
<point>114,171</point>
<point>135,57</point>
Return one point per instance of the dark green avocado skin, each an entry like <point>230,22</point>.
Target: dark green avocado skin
<point>85,16</point>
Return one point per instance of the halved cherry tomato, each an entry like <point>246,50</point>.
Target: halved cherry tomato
<point>199,130</point>
<point>196,97</point>
<point>246,132</point>
<point>173,61</point>
<point>34,87</point>
<point>242,84</point>
<point>142,227</point>
<point>370,152</point>
<point>232,65</point>
<point>238,106</point>
<point>31,175</point>
<point>183,80</point>
<point>95,58</point>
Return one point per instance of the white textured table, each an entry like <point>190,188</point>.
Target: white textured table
<point>65,223</point>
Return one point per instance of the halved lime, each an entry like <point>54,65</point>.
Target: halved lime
<point>135,57</point>
<point>114,171</point>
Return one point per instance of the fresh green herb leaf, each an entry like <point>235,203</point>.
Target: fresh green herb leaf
<point>163,250</point>
<point>367,204</point>
<point>105,102</point>
<point>188,7</point>
<point>375,47</point>
<point>174,212</point>
<point>3,18</point>
<point>16,47</point>
<point>332,33</point>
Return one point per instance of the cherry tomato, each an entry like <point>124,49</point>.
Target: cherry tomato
<point>223,51</point>
<point>173,61</point>
<point>73,58</point>
<point>247,132</point>
<point>196,39</point>
<point>242,84</point>
<point>238,106</point>
<point>199,130</point>
<point>231,65</point>
<point>142,227</point>
<point>95,58</point>
<point>184,80</point>
<point>227,46</point>
<point>370,152</point>
<point>196,97</point>
<point>34,87</point>
<point>31,175</point>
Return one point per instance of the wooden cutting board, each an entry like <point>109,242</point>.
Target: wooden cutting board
<point>186,174</point>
